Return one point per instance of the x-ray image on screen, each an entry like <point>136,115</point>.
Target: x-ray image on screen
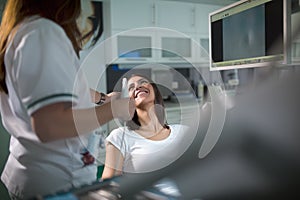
<point>244,34</point>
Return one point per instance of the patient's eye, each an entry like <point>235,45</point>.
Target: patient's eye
<point>143,82</point>
<point>131,87</point>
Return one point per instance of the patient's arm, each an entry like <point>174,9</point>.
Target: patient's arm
<point>113,162</point>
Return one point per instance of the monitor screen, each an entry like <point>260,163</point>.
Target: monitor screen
<point>249,33</point>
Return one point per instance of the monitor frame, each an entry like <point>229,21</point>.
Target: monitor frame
<point>262,61</point>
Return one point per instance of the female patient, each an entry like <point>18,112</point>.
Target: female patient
<point>147,143</point>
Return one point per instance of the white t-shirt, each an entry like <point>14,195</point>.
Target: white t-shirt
<point>144,155</point>
<point>41,68</point>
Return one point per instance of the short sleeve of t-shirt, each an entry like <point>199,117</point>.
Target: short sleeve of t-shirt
<point>116,137</point>
<point>45,65</point>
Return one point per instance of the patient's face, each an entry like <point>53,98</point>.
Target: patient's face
<point>141,90</point>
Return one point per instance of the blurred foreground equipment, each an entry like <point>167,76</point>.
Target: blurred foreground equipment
<point>257,155</point>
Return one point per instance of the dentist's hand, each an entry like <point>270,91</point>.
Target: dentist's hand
<point>112,96</point>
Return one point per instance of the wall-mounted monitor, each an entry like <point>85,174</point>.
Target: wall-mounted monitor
<point>249,33</point>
